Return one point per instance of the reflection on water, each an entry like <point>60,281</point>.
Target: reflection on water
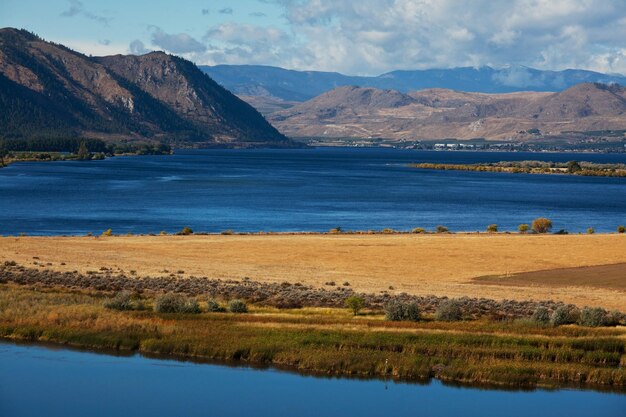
<point>39,381</point>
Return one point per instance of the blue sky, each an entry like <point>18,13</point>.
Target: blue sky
<point>350,36</point>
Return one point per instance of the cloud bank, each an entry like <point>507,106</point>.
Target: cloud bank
<point>375,36</point>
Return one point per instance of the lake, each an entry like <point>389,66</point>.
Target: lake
<point>41,381</point>
<point>301,190</point>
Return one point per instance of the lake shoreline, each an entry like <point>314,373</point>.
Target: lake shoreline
<point>327,342</point>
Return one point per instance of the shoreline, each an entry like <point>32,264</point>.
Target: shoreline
<point>327,342</point>
<point>584,169</point>
<point>319,374</point>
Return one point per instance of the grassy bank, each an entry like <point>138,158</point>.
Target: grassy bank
<point>327,340</point>
<point>586,169</point>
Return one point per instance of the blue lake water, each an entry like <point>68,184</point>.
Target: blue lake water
<point>300,190</point>
<point>38,381</point>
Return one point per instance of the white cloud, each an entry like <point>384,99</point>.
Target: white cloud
<point>374,36</point>
<point>178,43</point>
<point>137,47</point>
<point>95,48</point>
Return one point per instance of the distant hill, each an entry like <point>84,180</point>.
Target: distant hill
<point>290,85</point>
<point>48,90</point>
<point>365,112</point>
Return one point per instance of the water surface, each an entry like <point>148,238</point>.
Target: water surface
<point>301,190</point>
<point>38,381</point>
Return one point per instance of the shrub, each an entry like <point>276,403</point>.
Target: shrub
<point>388,231</point>
<point>355,304</point>
<point>492,228</point>
<point>418,230</point>
<point>621,229</point>
<point>186,231</point>
<point>441,229</point>
<point>523,228</point>
<point>399,311</point>
<point>448,310</point>
<point>593,317</point>
<point>123,301</point>
<point>335,231</point>
<point>541,316</point>
<point>228,232</point>
<point>174,303</point>
<point>237,306</point>
<point>542,225</point>
<point>213,306</point>
<point>564,315</point>
<point>591,231</point>
<point>107,232</point>
<point>615,318</point>
<point>573,166</point>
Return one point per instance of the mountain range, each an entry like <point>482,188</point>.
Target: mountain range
<point>365,112</point>
<point>297,86</point>
<point>48,90</point>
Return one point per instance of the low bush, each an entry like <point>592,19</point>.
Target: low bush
<point>237,306</point>
<point>213,306</point>
<point>399,311</point>
<point>615,318</point>
<point>591,231</point>
<point>523,228</point>
<point>418,230</point>
<point>355,304</point>
<point>449,310</point>
<point>186,231</point>
<point>175,303</point>
<point>492,228</point>
<point>593,317</point>
<point>107,232</point>
<point>123,301</point>
<point>542,225</point>
<point>441,229</point>
<point>564,315</point>
<point>541,316</point>
<point>621,229</point>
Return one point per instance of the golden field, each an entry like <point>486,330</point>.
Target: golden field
<point>475,265</point>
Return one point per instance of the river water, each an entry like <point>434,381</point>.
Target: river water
<point>41,381</point>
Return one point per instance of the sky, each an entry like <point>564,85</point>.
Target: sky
<point>360,37</point>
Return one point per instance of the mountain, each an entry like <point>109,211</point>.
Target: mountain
<point>290,85</point>
<point>365,112</point>
<point>49,90</point>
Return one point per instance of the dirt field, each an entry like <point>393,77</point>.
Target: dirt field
<point>416,264</point>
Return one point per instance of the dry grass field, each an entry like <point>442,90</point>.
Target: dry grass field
<point>449,265</point>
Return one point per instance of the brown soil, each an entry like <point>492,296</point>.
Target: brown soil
<point>602,276</point>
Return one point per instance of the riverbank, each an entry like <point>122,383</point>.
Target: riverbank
<point>434,264</point>
<point>328,341</point>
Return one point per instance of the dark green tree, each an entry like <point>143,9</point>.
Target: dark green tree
<point>83,152</point>
<point>3,152</point>
<point>573,166</point>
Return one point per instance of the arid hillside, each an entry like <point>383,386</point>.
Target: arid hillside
<point>48,90</point>
<point>440,114</point>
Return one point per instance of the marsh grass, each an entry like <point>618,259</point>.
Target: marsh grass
<point>327,340</point>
